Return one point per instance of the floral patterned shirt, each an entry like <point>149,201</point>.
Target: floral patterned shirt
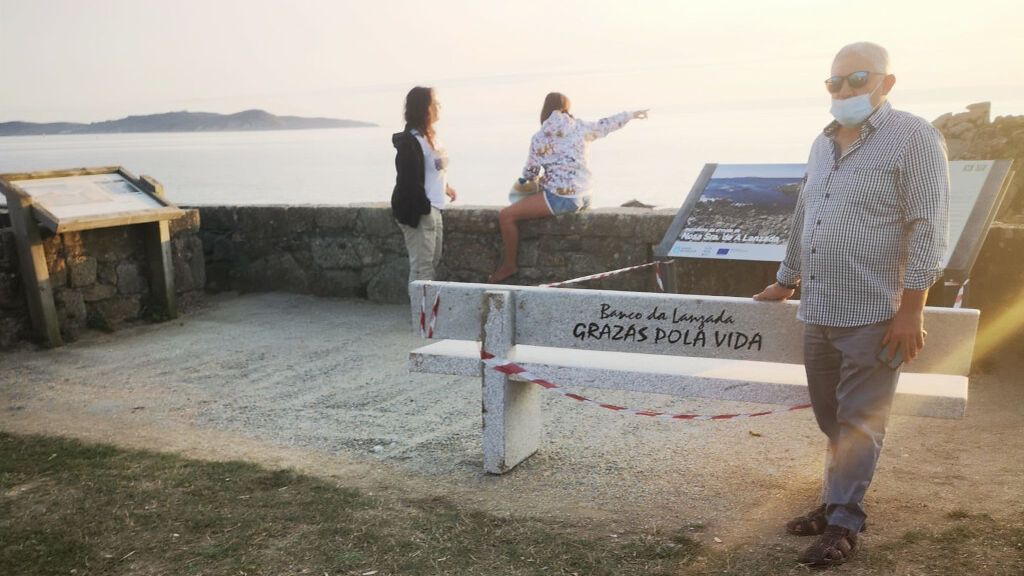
<point>558,152</point>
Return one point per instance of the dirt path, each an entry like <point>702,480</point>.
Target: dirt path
<point>321,386</point>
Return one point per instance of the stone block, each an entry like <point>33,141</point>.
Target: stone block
<point>13,328</point>
<point>218,218</point>
<point>81,271</point>
<point>375,222</point>
<point>338,283</point>
<point>189,222</point>
<point>549,260</point>
<point>129,278</point>
<point>113,244</point>
<point>190,300</point>
<point>183,280</point>
<point>58,274</point>
<point>110,314</point>
<point>334,253</point>
<point>469,254</point>
<point>262,221</point>
<point>8,251</point>
<point>582,265</point>
<point>390,284</point>
<point>218,277</point>
<point>223,249</point>
<point>12,295</point>
<point>71,313</point>
<point>529,253</point>
<point>335,218</point>
<point>300,219</point>
<point>106,273</point>
<point>98,292</point>
<point>366,251</point>
<point>197,263</point>
<point>277,271</point>
<point>471,220</point>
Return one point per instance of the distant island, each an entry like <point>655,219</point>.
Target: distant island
<point>180,122</point>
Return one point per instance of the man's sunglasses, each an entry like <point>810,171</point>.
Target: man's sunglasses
<point>856,80</point>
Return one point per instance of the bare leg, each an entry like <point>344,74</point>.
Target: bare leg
<point>528,208</point>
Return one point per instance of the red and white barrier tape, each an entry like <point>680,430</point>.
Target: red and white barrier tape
<point>959,301</point>
<point>610,273</point>
<point>513,369</point>
<point>427,330</point>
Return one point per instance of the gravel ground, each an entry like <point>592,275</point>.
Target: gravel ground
<point>322,385</point>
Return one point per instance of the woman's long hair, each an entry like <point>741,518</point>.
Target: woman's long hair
<point>554,101</point>
<point>421,111</point>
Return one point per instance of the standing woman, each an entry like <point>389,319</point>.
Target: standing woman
<point>421,183</point>
<point>558,164</point>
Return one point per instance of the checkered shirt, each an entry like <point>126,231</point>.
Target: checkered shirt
<point>870,222</point>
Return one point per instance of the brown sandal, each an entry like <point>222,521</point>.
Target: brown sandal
<point>834,547</point>
<point>812,524</point>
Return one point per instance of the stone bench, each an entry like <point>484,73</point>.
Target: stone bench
<point>682,345</point>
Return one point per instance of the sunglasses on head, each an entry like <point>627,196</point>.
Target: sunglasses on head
<point>856,80</point>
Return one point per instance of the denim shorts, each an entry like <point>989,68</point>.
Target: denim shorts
<point>566,204</point>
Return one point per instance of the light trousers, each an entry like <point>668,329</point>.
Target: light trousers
<point>424,245</point>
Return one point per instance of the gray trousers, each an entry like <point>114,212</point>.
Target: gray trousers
<point>851,394</point>
<point>424,245</point>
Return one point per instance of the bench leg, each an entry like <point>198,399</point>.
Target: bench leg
<point>510,409</point>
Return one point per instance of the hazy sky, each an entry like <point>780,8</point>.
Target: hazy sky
<point>79,60</point>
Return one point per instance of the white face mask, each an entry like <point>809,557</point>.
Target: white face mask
<point>853,110</point>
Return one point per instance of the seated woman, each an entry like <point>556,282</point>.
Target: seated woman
<point>558,164</point>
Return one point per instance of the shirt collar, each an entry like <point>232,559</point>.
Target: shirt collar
<point>875,121</point>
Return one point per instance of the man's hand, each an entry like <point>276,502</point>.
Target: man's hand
<point>773,292</point>
<point>450,192</point>
<point>906,330</point>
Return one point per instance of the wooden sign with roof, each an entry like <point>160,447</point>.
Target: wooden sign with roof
<point>84,199</point>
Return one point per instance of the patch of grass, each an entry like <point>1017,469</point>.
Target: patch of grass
<point>68,508</point>
<point>73,508</point>
<point>957,514</point>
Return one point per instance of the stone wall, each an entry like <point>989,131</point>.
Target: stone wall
<point>358,250</point>
<point>100,278</point>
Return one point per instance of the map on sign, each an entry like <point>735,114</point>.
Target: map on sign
<point>741,213</point>
<point>77,196</point>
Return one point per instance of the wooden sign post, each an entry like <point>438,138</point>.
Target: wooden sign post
<point>85,199</point>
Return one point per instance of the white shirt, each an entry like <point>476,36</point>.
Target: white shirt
<point>435,170</point>
<point>559,152</point>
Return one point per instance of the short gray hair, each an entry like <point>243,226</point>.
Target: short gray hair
<point>876,54</point>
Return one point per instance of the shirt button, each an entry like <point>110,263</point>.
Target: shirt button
<point>812,276</point>
<point>818,223</point>
<point>813,250</point>
<point>827,194</point>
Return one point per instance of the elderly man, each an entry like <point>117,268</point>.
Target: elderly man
<point>868,235</point>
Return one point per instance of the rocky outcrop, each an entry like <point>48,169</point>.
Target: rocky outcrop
<point>971,135</point>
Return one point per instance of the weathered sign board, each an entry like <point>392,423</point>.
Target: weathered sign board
<point>82,199</point>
